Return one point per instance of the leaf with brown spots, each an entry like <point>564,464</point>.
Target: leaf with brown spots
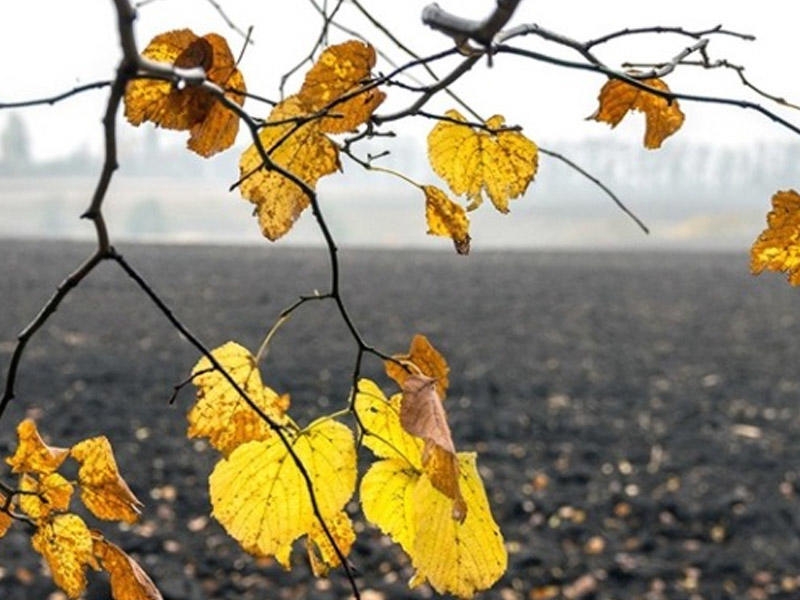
<point>32,454</point>
<point>128,580</point>
<point>213,126</point>
<point>422,359</point>
<point>663,117</point>
<point>778,246</point>
<point>446,218</point>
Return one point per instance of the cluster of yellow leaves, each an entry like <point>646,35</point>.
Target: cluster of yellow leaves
<point>663,117</point>
<point>212,126</point>
<point>336,96</point>
<point>258,491</point>
<point>778,246</point>
<point>422,493</point>
<point>63,538</point>
<point>492,161</point>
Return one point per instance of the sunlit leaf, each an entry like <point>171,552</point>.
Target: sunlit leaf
<point>299,147</point>
<point>32,454</point>
<point>260,497</point>
<point>778,246</point>
<point>65,542</point>
<point>422,415</point>
<point>398,496</point>
<point>387,499</point>
<point>51,494</point>
<point>321,553</point>
<point>220,413</point>
<point>422,359</point>
<point>500,163</point>
<point>459,558</point>
<point>446,218</point>
<point>213,127</point>
<point>381,420</point>
<point>341,70</point>
<point>663,117</point>
<point>103,490</point>
<point>5,518</point>
<point>128,579</point>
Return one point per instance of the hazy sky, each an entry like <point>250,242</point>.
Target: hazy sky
<point>48,46</point>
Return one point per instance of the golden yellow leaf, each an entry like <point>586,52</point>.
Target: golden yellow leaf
<point>5,517</point>
<point>474,161</point>
<point>51,494</point>
<point>342,70</point>
<point>662,117</point>
<point>32,454</point>
<point>128,579</point>
<point>260,497</point>
<point>399,497</point>
<point>65,542</point>
<point>103,490</point>
<point>220,413</point>
<point>213,127</point>
<point>446,218</point>
<point>455,557</point>
<point>381,420</point>
<point>301,149</point>
<point>422,415</point>
<point>778,246</point>
<point>321,553</point>
<point>422,359</point>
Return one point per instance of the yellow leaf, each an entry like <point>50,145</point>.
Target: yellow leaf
<point>5,517</point>
<point>475,161</point>
<point>301,149</point>
<point>342,70</point>
<point>260,497</point>
<point>128,579</point>
<point>33,455</point>
<point>52,494</point>
<point>662,117</point>
<point>778,246</point>
<point>103,490</point>
<point>457,558</point>
<point>446,218</point>
<point>422,415</point>
<point>387,499</point>
<point>220,413</point>
<point>399,497</point>
<point>422,359</point>
<point>321,553</point>
<point>381,420</point>
<point>213,127</point>
<point>65,542</point>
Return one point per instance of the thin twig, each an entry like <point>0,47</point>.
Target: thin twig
<point>58,97</point>
<point>231,24</point>
<point>573,165</point>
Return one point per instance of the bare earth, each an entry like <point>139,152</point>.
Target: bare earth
<point>636,416</point>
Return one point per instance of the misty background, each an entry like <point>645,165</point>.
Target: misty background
<point>691,195</point>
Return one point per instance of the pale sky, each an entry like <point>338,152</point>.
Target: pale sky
<point>48,46</point>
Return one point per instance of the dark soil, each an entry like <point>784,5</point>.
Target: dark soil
<point>636,416</point>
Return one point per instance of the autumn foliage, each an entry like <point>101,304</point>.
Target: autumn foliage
<point>276,480</point>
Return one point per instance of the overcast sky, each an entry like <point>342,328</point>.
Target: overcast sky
<point>48,46</point>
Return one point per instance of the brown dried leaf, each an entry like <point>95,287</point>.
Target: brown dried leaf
<point>422,415</point>
<point>422,359</point>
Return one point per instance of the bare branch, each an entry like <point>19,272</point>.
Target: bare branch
<point>463,30</point>
<point>231,24</point>
<point>573,165</point>
<point>718,30</point>
<point>58,97</point>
